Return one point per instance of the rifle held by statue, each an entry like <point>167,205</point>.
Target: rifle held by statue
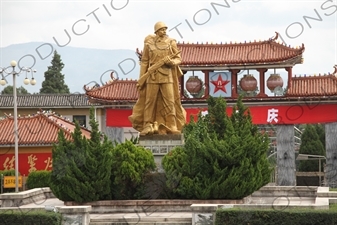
<point>153,68</point>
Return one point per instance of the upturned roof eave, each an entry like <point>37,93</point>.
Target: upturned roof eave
<point>11,145</point>
<point>112,101</point>
<point>53,107</point>
<point>286,98</point>
<point>268,65</point>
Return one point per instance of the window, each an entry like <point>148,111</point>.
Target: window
<point>81,120</point>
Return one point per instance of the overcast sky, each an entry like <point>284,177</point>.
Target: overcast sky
<point>123,24</point>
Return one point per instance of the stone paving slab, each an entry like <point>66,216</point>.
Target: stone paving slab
<point>157,218</point>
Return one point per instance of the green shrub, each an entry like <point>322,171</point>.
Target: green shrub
<point>130,164</point>
<point>29,218</point>
<point>38,179</point>
<point>272,216</point>
<point>7,172</point>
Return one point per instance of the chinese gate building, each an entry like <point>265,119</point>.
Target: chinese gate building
<point>308,99</point>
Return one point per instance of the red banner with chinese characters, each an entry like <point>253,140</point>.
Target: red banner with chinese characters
<point>28,162</point>
<point>283,114</point>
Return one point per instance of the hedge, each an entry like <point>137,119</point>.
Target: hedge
<point>38,179</point>
<point>237,216</point>
<point>9,217</point>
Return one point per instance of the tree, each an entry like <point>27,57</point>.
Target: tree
<point>9,90</point>
<point>245,93</point>
<point>320,129</point>
<point>54,79</point>
<point>311,145</point>
<point>81,167</point>
<point>224,157</point>
<point>285,90</point>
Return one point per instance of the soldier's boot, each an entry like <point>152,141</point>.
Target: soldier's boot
<point>155,127</point>
<point>171,123</point>
<point>147,130</point>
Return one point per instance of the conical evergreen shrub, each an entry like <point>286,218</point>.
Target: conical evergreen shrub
<point>81,167</point>
<point>224,157</point>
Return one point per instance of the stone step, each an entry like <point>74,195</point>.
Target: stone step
<point>289,191</point>
<point>158,218</point>
<point>143,219</point>
<point>142,223</point>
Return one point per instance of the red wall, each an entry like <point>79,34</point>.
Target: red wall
<point>27,162</point>
<point>292,114</point>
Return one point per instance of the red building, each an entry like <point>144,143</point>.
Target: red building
<point>37,134</point>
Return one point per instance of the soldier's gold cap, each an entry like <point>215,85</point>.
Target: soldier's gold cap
<point>159,25</point>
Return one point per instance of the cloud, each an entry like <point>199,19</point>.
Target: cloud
<point>123,24</point>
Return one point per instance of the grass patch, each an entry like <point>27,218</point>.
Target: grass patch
<point>332,189</point>
<point>333,207</point>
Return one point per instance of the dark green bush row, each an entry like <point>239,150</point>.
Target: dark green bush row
<point>153,187</point>
<point>94,169</point>
<point>270,217</point>
<point>7,172</point>
<point>8,217</point>
<point>38,179</point>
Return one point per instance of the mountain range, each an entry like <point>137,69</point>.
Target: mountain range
<point>82,66</point>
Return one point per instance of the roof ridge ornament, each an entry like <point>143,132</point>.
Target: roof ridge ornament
<point>335,72</point>
<point>276,36</point>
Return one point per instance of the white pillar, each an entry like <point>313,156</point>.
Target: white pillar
<point>286,169</point>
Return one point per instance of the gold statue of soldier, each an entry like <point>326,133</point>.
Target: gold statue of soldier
<point>159,109</point>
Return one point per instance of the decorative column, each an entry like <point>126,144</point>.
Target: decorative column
<point>182,82</point>
<point>206,73</point>
<point>331,154</point>
<point>262,93</point>
<point>234,73</point>
<point>290,74</point>
<point>286,170</point>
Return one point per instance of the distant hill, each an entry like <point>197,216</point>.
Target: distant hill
<point>82,65</point>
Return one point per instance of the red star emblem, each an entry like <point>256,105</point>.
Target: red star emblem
<point>220,84</point>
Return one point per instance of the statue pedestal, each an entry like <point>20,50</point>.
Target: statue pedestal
<point>160,145</point>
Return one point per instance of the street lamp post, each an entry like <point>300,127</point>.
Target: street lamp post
<point>16,134</point>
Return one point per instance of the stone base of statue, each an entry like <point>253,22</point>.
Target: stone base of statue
<point>160,145</point>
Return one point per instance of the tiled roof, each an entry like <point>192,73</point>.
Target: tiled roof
<point>316,85</point>
<point>115,90</point>
<point>46,100</point>
<point>39,129</point>
<point>236,54</point>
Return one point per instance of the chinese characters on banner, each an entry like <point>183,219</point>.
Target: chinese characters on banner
<point>9,163</point>
<point>28,162</point>
<point>296,114</point>
<point>272,115</point>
